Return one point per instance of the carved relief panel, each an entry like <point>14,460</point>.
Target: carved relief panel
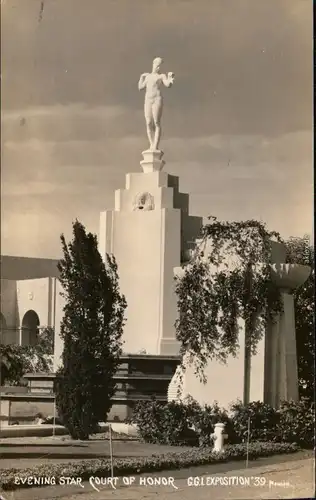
<point>144,201</point>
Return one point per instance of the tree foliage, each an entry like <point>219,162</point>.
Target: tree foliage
<point>227,280</point>
<point>91,329</point>
<point>17,360</point>
<point>301,251</point>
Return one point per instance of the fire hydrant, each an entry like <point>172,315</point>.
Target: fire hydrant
<point>219,437</point>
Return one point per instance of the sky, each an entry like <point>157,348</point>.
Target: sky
<point>237,124</point>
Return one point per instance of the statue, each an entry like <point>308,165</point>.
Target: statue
<point>153,100</point>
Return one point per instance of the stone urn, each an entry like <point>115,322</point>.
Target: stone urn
<point>289,276</point>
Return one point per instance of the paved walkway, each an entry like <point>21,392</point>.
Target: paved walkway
<point>289,479</point>
<point>18,454</point>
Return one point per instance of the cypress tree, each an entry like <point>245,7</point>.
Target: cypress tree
<point>91,329</point>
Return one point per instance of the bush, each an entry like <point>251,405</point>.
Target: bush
<point>297,423</point>
<point>179,423</point>
<point>189,423</point>
<point>264,420</point>
<point>163,423</point>
<point>202,418</point>
<point>18,360</point>
<point>128,466</point>
<point>294,422</point>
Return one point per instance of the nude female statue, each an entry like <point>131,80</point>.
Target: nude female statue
<point>153,100</point>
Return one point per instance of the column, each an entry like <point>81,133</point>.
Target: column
<point>281,374</point>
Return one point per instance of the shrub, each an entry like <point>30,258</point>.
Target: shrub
<point>18,360</point>
<point>189,423</point>
<point>179,422</point>
<point>264,420</point>
<point>163,423</point>
<point>128,466</point>
<point>293,422</point>
<point>297,423</point>
<point>202,418</point>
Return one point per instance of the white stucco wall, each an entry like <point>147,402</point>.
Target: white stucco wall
<point>225,382</point>
<point>22,278</point>
<point>147,246</point>
<point>35,295</point>
<point>59,303</point>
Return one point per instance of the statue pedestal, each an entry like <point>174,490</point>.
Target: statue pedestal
<point>152,161</point>
<point>148,231</point>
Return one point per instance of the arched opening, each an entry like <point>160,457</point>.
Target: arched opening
<point>30,324</point>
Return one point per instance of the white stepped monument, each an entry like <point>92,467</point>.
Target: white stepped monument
<point>150,232</point>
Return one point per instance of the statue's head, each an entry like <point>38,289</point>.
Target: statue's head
<point>157,62</point>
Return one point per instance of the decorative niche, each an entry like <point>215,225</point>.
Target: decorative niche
<point>144,201</point>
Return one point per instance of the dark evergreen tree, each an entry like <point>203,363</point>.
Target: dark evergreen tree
<point>91,329</point>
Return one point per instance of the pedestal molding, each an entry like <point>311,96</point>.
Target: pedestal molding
<point>152,161</point>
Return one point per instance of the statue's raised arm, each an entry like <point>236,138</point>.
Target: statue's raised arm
<point>153,100</point>
<point>168,79</point>
<point>142,81</point>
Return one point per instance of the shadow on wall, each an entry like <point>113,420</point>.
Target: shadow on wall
<point>3,329</point>
<point>22,268</point>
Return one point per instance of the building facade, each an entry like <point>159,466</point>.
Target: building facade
<point>30,299</point>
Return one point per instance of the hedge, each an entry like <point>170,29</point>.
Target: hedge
<point>128,466</point>
<point>189,423</point>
